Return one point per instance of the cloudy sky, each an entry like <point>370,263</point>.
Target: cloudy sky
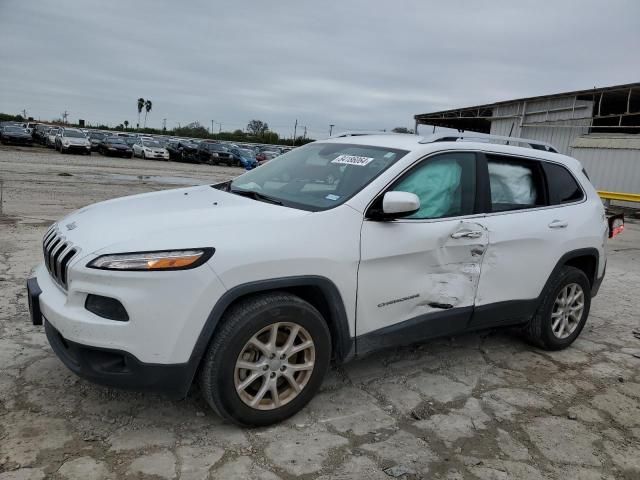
<point>357,64</point>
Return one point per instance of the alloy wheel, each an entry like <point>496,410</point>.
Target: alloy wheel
<point>567,310</point>
<point>274,366</point>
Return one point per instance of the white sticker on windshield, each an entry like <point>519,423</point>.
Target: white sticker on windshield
<point>333,197</point>
<point>352,160</point>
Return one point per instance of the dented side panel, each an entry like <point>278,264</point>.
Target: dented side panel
<point>412,268</point>
<point>526,245</point>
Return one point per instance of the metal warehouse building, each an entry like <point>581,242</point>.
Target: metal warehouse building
<point>599,127</point>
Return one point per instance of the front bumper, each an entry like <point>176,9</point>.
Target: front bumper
<point>115,368</point>
<point>166,310</point>
<point>157,156</point>
<point>152,351</point>
<point>119,153</point>
<point>77,148</point>
<point>18,140</point>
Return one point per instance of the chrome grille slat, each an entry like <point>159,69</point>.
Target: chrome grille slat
<point>58,252</point>
<point>60,257</point>
<point>55,253</point>
<point>50,249</point>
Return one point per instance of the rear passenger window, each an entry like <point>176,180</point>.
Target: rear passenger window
<point>515,184</point>
<point>563,188</point>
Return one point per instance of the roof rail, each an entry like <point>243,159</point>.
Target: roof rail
<point>358,133</point>
<point>454,137</point>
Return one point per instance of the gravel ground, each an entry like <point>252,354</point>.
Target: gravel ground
<point>482,406</point>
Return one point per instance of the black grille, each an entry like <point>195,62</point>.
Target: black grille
<point>58,252</point>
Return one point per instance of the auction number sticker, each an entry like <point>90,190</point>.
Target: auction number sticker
<point>352,160</point>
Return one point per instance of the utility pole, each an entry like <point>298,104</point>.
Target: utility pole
<point>220,131</point>
<point>164,124</point>
<point>295,129</point>
<point>331,128</point>
<point>65,115</point>
<point>304,137</point>
<point>212,126</point>
<point>24,114</point>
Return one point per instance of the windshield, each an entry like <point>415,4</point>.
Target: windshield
<point>214,147</point>
<point>114,140</point>
<point>14,129</point>
<point>151,143</point>
<point>73,134</point>
<point>318,176</point>
<point>97,135</point>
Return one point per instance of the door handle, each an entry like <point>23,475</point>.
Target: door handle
<point>559,224</point>
<point>467,234</point>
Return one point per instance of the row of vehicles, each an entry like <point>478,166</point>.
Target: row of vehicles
<point>129,145</point>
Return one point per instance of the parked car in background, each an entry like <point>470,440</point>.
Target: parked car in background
<point>72,140</point>
<point>266,155</point>
<point>214,153</point>
<point>29,126</point>
<point>146,147</point>
<point>130,140</point>
<point>115,147</point>
<point>50,138</point>
<point>244,157</point>
<point>96,138</point>
<point>183,151</point>
<point>40,133</point>
<point>15,135</point>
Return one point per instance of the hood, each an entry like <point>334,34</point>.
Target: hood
<point>18,134</point>
<point>182,218</point>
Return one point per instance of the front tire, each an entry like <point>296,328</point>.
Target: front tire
<point>563,311</point>
<point>266,360</point>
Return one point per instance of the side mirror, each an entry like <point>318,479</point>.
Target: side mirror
<point>396,205</point>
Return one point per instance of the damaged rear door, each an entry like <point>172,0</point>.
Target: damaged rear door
<point>418,276</point>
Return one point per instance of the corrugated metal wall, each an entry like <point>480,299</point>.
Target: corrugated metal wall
<point>614,170</point>
<point>555,111</point>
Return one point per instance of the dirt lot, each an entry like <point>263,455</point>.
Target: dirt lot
<point>483,406</point>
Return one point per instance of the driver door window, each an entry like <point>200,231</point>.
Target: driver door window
<point>445,185</point>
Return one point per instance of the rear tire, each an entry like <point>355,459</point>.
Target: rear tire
<point>246,336</point>
<point>551,328</point>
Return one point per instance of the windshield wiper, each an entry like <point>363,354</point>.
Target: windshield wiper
<point>256,196</point>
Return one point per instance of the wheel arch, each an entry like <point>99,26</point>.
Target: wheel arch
<point>585,259</point>
<point>320,292</point>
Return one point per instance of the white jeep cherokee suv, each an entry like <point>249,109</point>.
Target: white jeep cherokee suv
<point>332,250</point>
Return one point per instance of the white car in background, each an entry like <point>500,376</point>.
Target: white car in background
<point>70,140</point>
<point>51,137</point>
<point>331,251</point>
<point>146,147</point>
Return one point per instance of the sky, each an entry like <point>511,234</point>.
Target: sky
<point>360,65</point>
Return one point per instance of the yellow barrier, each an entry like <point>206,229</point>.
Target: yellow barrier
<point>623,197</point>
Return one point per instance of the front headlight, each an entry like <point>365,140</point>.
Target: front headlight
<point>151,261</point>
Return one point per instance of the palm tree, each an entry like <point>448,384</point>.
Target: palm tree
<point>147,107</point>
<point>126,124</point>
<point>140,107</point>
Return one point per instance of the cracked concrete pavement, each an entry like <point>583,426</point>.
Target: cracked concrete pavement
<point>482,406</point>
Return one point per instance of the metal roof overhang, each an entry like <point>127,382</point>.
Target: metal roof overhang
<point>478,118</point>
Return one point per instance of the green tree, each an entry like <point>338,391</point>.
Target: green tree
<point>140,107</point>
<point>126,124</point>
<point>257,128</point>
<point>147,107</point>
